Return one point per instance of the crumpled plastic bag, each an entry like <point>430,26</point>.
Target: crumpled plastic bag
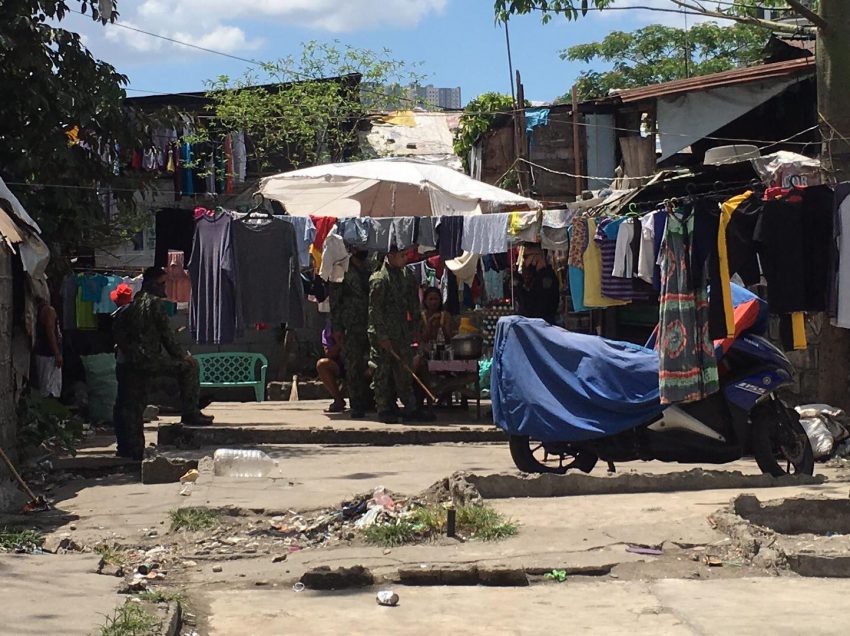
<point>819,435</point>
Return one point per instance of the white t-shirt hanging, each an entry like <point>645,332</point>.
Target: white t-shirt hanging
<point>647,257</point>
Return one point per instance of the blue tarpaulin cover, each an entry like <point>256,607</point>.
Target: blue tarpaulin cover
<point>555,385</point>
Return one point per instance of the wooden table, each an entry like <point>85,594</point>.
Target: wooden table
<point>450,376</point>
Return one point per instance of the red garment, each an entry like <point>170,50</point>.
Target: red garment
<point>178,287</point>
<point>324,225</point>
<point>136,160</point>
<point>436,263</point>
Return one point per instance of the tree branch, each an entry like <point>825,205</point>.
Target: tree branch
<point>807,13</point>
<point>780,27</point>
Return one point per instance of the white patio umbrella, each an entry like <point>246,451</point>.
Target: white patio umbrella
<point>387,187</point>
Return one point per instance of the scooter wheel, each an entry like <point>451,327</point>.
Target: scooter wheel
<point>523,449</point>
<point>779,439</point>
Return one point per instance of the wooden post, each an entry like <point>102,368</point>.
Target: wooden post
<point>577,158</point>
<point>522,168</point>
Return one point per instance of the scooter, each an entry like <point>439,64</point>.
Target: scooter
<point>746,416</point>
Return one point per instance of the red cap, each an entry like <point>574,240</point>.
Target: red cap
<point>122,294</point>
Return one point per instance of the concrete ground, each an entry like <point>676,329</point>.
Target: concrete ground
<point>236,592</point>
<point>45,594</point>
<point>740,607</point>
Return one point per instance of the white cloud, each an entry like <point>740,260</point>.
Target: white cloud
<point>669,14</point>
<point>210,23</point>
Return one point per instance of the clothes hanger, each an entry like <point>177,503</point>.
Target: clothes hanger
<point>259,210</point>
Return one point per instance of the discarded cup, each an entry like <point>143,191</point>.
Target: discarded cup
<point>387,597</point>
<point>298,587</point>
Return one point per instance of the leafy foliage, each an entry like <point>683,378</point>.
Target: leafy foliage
<point>479,116</point>
<point>658,53</point>
<point>570,9</point>
<point>20,539</point>
<point>130,619</point>
<point>54,89</point>
<point>308,110</point>
<point>45,422</point>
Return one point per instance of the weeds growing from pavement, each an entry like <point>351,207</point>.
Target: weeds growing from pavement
<point>110,554</point>
<point>472,522</point>
<point>130,619</point>
<point>162,596</point>
<point>12,539</point>
<point>193,518</point>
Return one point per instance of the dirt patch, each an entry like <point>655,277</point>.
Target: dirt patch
<point>797,516</point>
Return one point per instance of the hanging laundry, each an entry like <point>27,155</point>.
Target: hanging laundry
<point>593,274</point>
<point>84,309</point>
<point>687,366</point>
<point>450,236</point>
<point>187,184</point>
<point>523,227</point>
<point>464,267</point>
<point>576,273</point>
<point>403,234</point>
<point>267,273</point>
<point>426,233</point>
<point>212,309</point>
<point>178,287</point>
<point>648,270</point>
<point>68,291</point>
<point>605,238</point>
<point>623,257</point>
<point>105,304</point>
<point>305,234</point>
<point>485,233</point>
<point>92,287</point>
<point>842,278</point>
<point>240,157</point>
<point>355,231</point>
<point>380,233</point>
<point>335,258</point>
<point>175,230</point>
<point>324,225</point>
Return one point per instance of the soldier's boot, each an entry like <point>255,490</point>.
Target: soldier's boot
<point>197,419</point>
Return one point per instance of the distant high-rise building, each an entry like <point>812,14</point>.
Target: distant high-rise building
<point>437,97</point>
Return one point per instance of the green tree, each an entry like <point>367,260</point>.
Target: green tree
<point>658,53</point>
<point>296,113</point>
<point>479,116</point>
<point>53,87</point>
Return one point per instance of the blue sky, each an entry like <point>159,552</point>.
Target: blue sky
<point>456,41</point>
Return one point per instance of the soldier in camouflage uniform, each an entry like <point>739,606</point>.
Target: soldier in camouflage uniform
<point>393,314</point>
<point>147,348</point>
<point>350,322</point>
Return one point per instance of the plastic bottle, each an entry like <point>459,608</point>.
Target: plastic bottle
<point>246,463</point>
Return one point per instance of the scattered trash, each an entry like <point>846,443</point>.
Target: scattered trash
<point>217,568</point>
<point>146,568</point>
<point>190,477</point>
<point>279,558</point>
<point>652,550</point>
<point>712,561</point>
<point>387,598</point>
<point>242,462</point>
<point>556,575</point>
<point>298,587</point>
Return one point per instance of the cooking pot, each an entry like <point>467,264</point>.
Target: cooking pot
<point>467,346</point>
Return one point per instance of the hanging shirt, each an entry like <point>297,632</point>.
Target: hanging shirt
<point>69,302</point>
<point>177,285</point>
<point>592,259</point>
<point>623,258</point>
<point>354,231</point>
<point>578,243</point>
<point>426,232</point>
<point>842,230</point>
<point>605,238</point>
<point>380,233</point>
<point>92,286</point>
<point>305,234</point>
<point>212,310</point>
<point>335,258</point>
<point>523,227</point>
<point>324,225</point>
<point>105,305</point>
<point>576,274</point>
<point>84,310</point>
<point>175,230</point>
<point>403,234</point>
<point>450,236</point>
<point>268,275</point>
<point>485,233</point>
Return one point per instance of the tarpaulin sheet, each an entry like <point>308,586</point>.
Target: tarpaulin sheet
<point>555,385</point>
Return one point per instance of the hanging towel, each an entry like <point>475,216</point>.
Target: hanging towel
<point>335,258</point>
<point>464,267</point>
<point>486,233</point>
<point>450,236</point>
<point>380,233</point>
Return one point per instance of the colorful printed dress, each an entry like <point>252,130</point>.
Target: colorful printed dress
<point>688,369</point>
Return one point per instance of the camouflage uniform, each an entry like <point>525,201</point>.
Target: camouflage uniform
<point>141,333</point>
<point>350,315</point>
<point>393,307</point>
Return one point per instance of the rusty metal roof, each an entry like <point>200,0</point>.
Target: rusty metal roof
<point>736,76</point>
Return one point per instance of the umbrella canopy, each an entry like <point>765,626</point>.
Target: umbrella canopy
<point>387,187</point>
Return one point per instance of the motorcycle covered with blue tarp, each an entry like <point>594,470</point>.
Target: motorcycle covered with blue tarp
<point>568,400</point>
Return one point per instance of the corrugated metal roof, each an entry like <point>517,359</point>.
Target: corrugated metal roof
<point>715,80</point>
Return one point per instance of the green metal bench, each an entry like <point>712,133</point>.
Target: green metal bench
<point>232,370</point>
